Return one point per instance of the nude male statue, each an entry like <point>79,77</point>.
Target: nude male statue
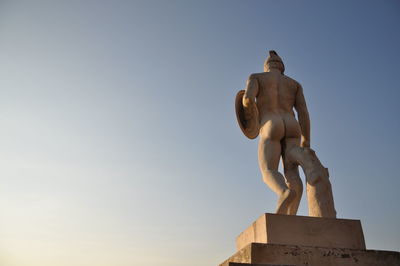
<point>268,103</point>
<point>265,108</point>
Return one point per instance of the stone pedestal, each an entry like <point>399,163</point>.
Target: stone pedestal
<point>297,240</point>
<point>271,254</point>
<point>303,230</point>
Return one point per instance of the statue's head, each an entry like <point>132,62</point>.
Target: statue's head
<point>274,61</point>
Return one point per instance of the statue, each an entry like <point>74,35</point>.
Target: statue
<point>265,108</point>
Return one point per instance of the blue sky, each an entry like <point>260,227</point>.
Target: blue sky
<point>119,142</point>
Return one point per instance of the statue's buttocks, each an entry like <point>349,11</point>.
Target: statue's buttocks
<point>275,101</point>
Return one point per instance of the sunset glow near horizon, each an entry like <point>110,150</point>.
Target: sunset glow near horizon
<point>119,142</point>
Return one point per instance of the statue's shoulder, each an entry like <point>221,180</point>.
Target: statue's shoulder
<point>290,79</point>
<point>294,82</point>
<point>257,75</point>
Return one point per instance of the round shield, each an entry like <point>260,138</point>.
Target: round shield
<point>249,131</point>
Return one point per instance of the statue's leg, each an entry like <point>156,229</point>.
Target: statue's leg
<point>319,190</point>
<point>291,171</point>
<point>269,152</point>
<point>294,182</point>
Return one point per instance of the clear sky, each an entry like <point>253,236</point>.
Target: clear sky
<point>119,141</point>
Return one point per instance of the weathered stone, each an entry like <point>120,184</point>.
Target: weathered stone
<point>319,189</point>
<point>257,253</point>
<point>304,231</point>
<point>252,264</point>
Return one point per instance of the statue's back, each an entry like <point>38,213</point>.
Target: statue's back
<point>277,93</point>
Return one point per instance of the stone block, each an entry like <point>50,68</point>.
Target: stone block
<point>303,231</point>
<point>267,254</point>
<point>252,264</point>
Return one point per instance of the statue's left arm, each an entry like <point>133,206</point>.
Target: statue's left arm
<point>249,102</point>
<point>303,116</point>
